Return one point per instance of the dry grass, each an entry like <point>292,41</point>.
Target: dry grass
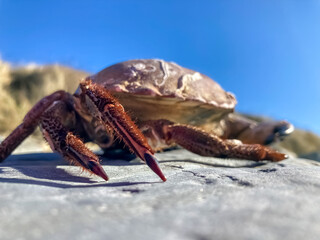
<point>22,87</point>
<point>302,142</point>
<point>8,106</point>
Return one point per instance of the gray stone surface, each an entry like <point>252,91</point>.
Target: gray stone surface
<point>42,197</point>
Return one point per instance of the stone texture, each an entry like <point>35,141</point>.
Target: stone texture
<point>42,197</point>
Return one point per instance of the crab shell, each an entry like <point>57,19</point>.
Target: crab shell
<point>155,89</point>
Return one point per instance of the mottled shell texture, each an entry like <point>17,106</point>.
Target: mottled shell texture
<point>154,89</point>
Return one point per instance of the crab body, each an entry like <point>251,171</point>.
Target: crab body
<point>183,95</point>
<point>155,89</point>
<point>169,104</point>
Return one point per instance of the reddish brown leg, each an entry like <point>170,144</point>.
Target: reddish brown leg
<point>47,111</point>
<point>66,143</point>
<point>103,106</point>
<point>205,144</point>
<point>30,122</point>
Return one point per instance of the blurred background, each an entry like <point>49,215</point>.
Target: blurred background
<point>266,52</point>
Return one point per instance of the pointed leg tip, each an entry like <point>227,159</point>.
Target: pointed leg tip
<point>275,156</point>
<point>152,162</point>
<point>105,177</point>
<point>97,169</point>
<point>280,157</point>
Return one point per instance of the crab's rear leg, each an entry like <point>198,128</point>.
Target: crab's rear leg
<point>102,105</point>
<point>205,144</point>
<point>29,124</point>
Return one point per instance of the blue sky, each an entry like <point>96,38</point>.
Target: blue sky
<point>266,52</point>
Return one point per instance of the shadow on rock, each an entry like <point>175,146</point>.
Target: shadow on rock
<point>43,166</point>
<point>52,173</point>
<point>65,185</point>
<point>219,165</point>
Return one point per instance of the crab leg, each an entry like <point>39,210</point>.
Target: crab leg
<point>29,124</point>
<point>200,142</point>
<point>60,140</point>
<point>205,144</point>
<point>105,107</point>
<point>67,144</point>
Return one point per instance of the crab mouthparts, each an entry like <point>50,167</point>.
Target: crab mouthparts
<point>152,162</point>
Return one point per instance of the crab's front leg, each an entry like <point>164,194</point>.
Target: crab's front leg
<point>102,105</point>
<point>50,112</point>
<point>63,141</point>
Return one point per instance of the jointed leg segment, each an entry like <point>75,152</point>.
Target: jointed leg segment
<point>45,113</point>
<point>53,120</point>
<point>106,108</point>
<point>29,124</point>
<point>200,142</point>
<point>67,144</point>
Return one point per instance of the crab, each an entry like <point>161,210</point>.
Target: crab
<point>171,105</point>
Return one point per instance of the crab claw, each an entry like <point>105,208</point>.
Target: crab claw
<point>87,164</point>
<point>152,162</point>
<point>103,105</point>
<point>97,169</point>
<point>78,153</point>
<point>277,131</point>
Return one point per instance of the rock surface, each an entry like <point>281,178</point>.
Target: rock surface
<point>204,198</point>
